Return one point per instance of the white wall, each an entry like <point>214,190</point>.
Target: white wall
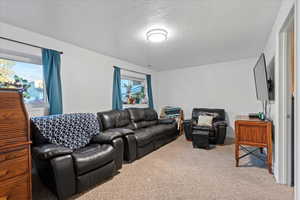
<point>223,85</point>
<point>270,48</point>
<point>86,75</point>
<point>297,110</point>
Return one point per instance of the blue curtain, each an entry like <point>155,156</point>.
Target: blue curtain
<point>51,70</point>
<point>117,103</point>
<point>149,88</point>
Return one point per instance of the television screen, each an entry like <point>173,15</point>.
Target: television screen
<point>261,82</point>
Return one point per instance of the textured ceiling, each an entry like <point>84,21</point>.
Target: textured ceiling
<point>200,31</point>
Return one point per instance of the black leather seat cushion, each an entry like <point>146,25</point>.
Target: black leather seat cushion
<point>143,136</point>
<point>210,129</point>
<point>92,157</point>
<point>162,130</point>
<point>203,128</point>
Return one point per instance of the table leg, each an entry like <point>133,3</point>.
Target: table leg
<point>237,154</point>
<point>269,160</point>
<point>261,150</point>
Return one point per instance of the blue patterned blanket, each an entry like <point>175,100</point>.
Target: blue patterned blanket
<point>70,130</point>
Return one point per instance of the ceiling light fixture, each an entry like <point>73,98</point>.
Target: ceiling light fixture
<point>157,35</point>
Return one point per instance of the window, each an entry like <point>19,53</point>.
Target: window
<point>27,76</point>
<point>133,91</point>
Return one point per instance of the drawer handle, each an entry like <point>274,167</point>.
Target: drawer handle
<point>4,198</point>
<point>3,173</point>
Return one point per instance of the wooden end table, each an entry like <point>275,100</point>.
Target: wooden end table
<point>253,132</point>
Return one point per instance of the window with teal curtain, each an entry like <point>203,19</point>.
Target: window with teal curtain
<point>149,89</point>
<point>117,103</point>
<point>51,71</point>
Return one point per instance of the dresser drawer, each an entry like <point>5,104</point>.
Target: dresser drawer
<point>16,188</point>
<point>9,155</point>
<point>13,167</point>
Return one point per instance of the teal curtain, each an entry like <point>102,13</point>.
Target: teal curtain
<point>117,103</point>
<point>149,89</point>
<point>51,70</point>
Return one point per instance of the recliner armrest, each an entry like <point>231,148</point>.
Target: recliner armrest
<point>49,151</point>
<point>220,123</point>
<point>106,138</point>
<point>166,121</point>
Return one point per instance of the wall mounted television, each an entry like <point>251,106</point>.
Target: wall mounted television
<point>261,79</point>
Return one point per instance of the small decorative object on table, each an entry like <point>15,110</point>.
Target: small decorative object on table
<point>171,112</point>
<point>255,133</point>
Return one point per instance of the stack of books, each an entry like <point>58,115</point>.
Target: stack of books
<point>170,112</point>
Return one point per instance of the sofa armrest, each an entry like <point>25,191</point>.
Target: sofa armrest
<point>166,121</point>
<point>221,129</point>
<point>106,138</point>
<point>49,151</point>
<point>115,139</point>
<point>64,176</point>
<point>220,123</point>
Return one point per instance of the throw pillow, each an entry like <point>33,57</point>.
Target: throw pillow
<point>205,120</point>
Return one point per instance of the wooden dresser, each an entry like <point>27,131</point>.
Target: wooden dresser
<point>255,133</point>
<point>15,157</point>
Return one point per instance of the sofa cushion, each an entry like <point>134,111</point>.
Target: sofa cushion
<point>143,117</point>
<point>204,128</point>
<point>136,114</point>
<point>92,157</point>
<point>143,136</point>
<point>198,111</point>
<point>113,119</point>
<point>143,124</point>
<point>150,114</point>
<point>162,130</point>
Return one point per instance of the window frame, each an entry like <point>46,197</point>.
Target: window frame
<point>134,77</point>
<point>35,60</point>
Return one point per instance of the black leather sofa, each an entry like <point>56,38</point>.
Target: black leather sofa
<point>216,133</point>
<point>142,131</point>
<point>69,171</point>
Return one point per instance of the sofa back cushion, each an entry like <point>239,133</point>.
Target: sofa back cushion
<point>113,119</point>
<point>73,131</point>
<point>142,117</point>
<point>219,114</point>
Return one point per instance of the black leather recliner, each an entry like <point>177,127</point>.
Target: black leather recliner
<point>216,133</point>
<point>147,132</point>
<point>119,121</point>
<point>67,172</point>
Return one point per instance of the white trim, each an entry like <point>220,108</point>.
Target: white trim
<point>297,103</point>
<point>282,140</point>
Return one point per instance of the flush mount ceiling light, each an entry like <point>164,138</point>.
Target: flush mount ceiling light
<point>157,35</point>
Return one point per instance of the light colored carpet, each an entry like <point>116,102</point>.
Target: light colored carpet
<point>179,172</point>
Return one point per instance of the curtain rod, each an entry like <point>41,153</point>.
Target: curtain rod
<point>24,43</point>
<point>133,71</point>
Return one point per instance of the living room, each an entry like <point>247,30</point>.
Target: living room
<point>110,59</point>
